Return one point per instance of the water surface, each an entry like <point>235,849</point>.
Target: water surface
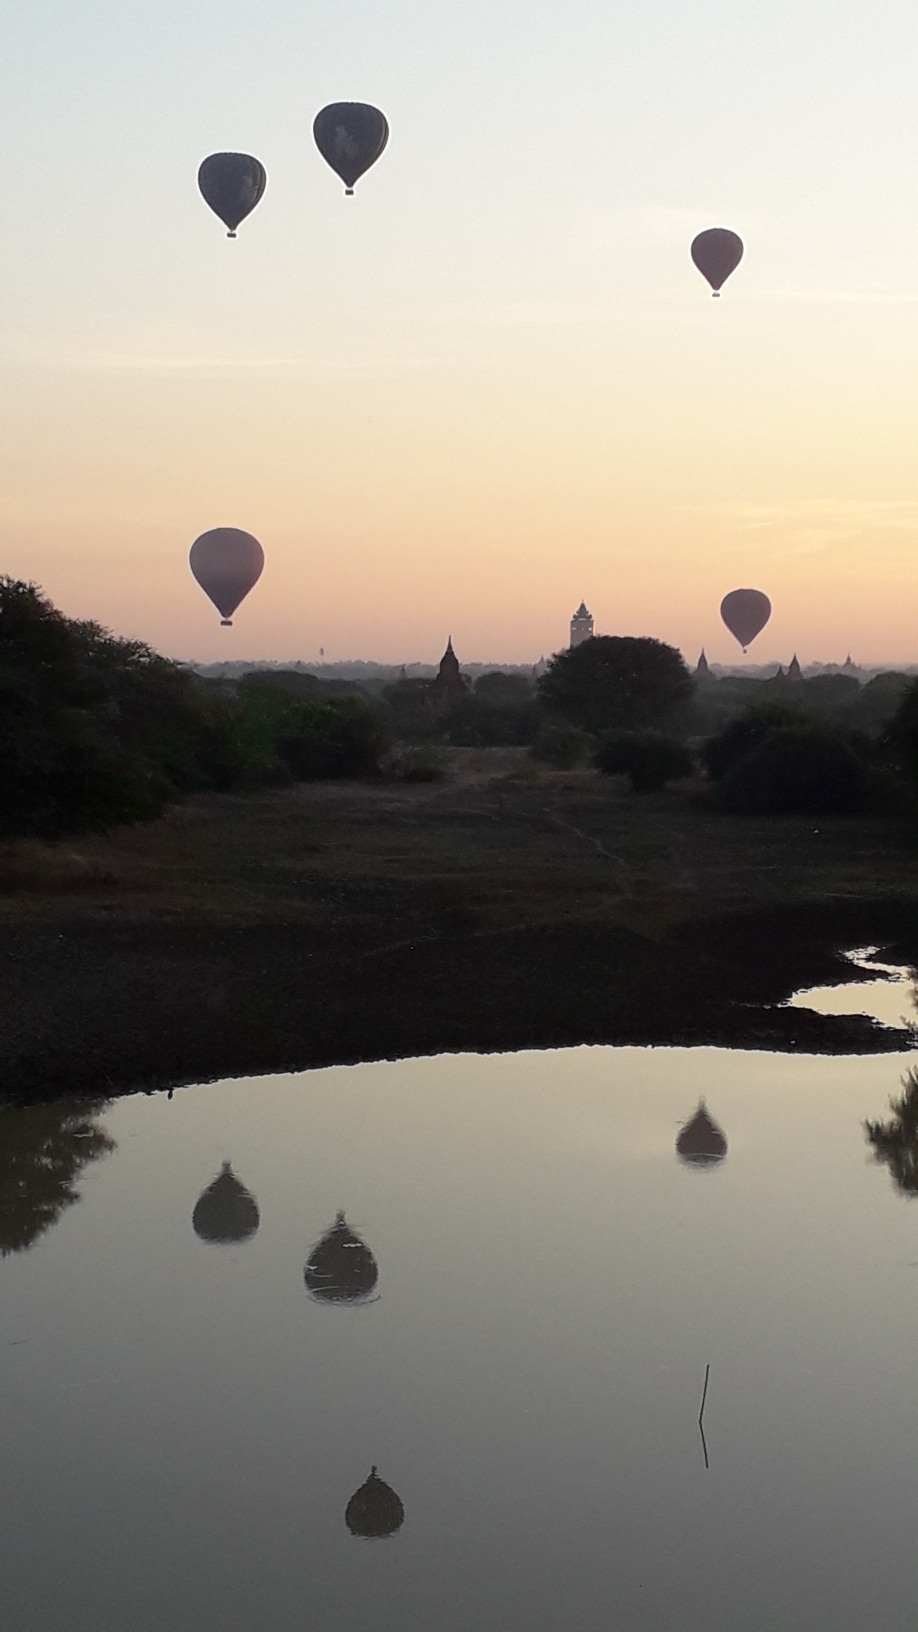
<point>185,1423</point>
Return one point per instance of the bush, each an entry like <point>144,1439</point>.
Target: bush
<point>305,741</point>
<point>95,731</point>
<point>647,758</point>
<point>560,745</point>
<point>742,734</point>
<point>616,682</point>
<point>803,768</point>
<point>409,762</point>
<point>900,739</point>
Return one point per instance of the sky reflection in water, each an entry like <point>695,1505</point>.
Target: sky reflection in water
<point>186,1425</point>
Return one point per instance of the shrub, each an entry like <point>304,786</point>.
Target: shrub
<point>337,737</point>
<point>560,745</point>
<point>96,731</point>
<point>647,758</point>
<point>804,768</point>
<point>410,762</point>
<point>742,734</point>
<point>616,682</point>
<point>900,739</point>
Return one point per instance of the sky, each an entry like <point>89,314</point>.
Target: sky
<point>491,383</point>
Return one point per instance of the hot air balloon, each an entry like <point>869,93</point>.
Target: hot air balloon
<point>745,612</point>
<point>716,253</point>
<point>227,563</point>
<point>701,1141</point>
<point>374,1510</point>
<point>341,1267</point>
<point>232,184</point>
<point>350,137</point>
<point>226,1211</point>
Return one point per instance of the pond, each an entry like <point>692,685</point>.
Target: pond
<point>512,1326</point>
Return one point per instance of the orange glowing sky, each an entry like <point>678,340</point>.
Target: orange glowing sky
<point>491,383</point>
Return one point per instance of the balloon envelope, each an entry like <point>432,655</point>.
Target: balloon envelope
<point>701,1141</point>
<point>232,184</point>
<point>226,1211</point>
<point>375,1510</point>
<point>226,563</point>
<point>341,1267</point>
<point>350,137</point>
<point>716,253</point>
<point>745,612</point>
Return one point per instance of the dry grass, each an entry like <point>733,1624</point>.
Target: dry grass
<point>103,937</point>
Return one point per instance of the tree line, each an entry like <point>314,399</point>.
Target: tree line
<point>96,730</point>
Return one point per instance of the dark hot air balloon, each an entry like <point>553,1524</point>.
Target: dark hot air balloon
<point>701,1141</point>
<point>341,1267</point>
<point>350,137</point>
<point>716,253</point>
<point>745,612</point>
<point>374,1510</point>
<point>232,184</point>
<point>227,563</point>
<point>226,1211</point>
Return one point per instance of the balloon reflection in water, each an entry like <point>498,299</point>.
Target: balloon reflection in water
<point>374,1510</point>
<point>341,1268</point>
<point>701,1142</point>
<point>226,1211</point>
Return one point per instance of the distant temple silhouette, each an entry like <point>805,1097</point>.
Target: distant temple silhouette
<point>448,685</point>
<point>703,669</point>
<point>581,625</point>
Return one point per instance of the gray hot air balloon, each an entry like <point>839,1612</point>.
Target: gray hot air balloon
<point>350,137</point>
<point>745,612</point>
<point>374,1511</point>
<point>716,253</point>
<point>227,563</point>
<point>232,184</point>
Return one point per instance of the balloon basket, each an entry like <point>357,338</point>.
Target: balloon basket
<point>226,623</point>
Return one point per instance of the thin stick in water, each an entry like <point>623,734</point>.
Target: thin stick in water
<point>704,1395</point>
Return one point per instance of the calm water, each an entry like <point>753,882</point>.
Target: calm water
<point>184,1424</point>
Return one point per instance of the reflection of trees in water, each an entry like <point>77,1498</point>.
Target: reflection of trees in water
<point>701,1141</point>
<point>43,1150</point>
<point>226,1211</point>
<point>896,1142</point>
<point>341,1268</point>
<point>374,1510</point>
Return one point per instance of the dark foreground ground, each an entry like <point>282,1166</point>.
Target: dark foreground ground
<point>505,909</point>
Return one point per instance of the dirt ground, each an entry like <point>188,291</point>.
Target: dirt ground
<point>508,907</point>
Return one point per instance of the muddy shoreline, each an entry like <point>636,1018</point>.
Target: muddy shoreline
<point>124,1013</point>
<point>334,924</point>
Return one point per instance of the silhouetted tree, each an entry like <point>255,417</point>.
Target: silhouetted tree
<point>43,1150</point>
<point>647,758</point>
<point>895,1142</point>
<point>618,682</point>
